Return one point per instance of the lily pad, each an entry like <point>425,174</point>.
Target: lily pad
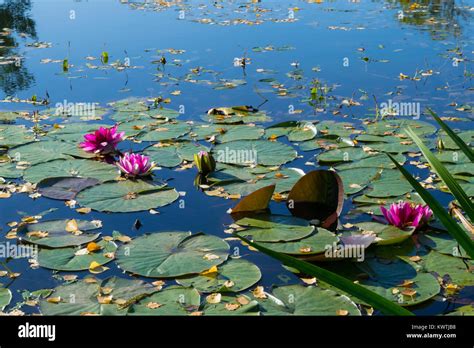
<point>9,170</point>
<point>100,298</point>
<point>232,305</point>
<point>386,234</point>
<point>316,243</point>
<point>57,236</point>
<point>64,188</point>
<point>232,276</point>
<point>165,131</point>
<point>76,259</point>
<point>293,130</point>
<point>236,114</point>
<point>248,152</point>
<point>355,180</point>
<point>171,254</point>
<point>126,196</point>
<point>14,135</point>
<point>74,132</point>
<point>5,298</point>
<point>459,272</point>
<point>174,300</point>
<point>81,168</point>
<point>274,228</point>
<point>301,300</point>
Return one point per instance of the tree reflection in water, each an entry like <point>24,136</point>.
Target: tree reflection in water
<point>14,15</point>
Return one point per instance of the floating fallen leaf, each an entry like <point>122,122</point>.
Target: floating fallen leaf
<point>92,247</point>
<point>153,305</point>
<point>210,272</point>
<point>214,298</point>
<point>97,268</point>
<point>232,306</point>
<point>258,292</point>
<point>210,257</point>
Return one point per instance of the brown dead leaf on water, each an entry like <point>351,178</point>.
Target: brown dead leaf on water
<point>153,305</point>
<point>259,292</point>
<point>232,306</point>
<point>214,298</point>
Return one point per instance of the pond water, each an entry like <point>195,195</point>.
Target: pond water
<point>359,55</point>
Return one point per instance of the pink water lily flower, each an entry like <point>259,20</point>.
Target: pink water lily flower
<point>133,164</point>
<point>102,141</point>
<point>405,214</point>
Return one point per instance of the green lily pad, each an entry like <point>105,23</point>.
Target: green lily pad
<point>391,183</point>
<point>453,267</point>
<point>248,152</point>
<point>42,151</point>
<point>82,298</point>
<point>126,196</point>
<point>165,131</point>
<point>396,127</point>
<point>238,180</point>
<point>74,132</point>
<point>443,243</point>
<point>234,275</point>
<point>236,114</point>
<point>314,244</point>
<point>293,130</point>
<point>9,170</point>
<point>174,300</point>
<point>376,161</point>
<point>171,254</point>
<point>383,278</point>
<point>301,300</point>
<point>14,135</point>
<point>174,155</point>
<point>241,132</point>
<point>467,310</point>
<point>230,305</point>
<point>71,168</point>
<point>75,259</point>
<point>5,298</point>
<point>355,180</point>
<point>386,234</point>
<point>349,154</point>
<point>57,236</point>
<point>274,228</point>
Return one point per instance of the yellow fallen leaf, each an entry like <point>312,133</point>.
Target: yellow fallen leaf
<point>72,227</point>
<point>97,268</point>
<point>210,272</point>
<point>91,247</point>
<point>84,210</point>
<point>54,299</point>
<point>342,312</point>
<point>5,194</point>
